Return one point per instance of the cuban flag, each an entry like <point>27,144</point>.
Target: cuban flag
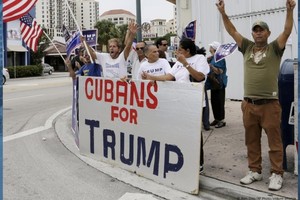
<point>225,50</point>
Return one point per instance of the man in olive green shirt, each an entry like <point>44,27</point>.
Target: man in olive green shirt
<point>261,108</point>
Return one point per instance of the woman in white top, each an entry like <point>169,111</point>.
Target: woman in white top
<point>189,66</point>
<point>189,63</point>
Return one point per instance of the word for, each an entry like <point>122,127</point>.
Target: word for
<point>141,158</point>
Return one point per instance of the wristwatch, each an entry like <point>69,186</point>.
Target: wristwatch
<point>187,66</point>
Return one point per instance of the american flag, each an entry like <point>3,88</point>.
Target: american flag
<point>15,9</point>
<point>30,31</point>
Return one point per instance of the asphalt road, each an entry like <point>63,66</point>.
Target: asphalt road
<point>36,165</point>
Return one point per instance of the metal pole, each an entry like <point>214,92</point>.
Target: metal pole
<point>139,20</point>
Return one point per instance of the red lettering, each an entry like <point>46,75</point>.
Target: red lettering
<point>122,87</point>
<point>88,93</point>
<point>134,95</point>
<point>98,89</point>
<point>133,116</point>
<point>124,114</point>
<point>114,115</point>
<point>153,101</point>
<point>109,86</point>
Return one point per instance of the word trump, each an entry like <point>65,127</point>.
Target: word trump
<point>122,94</point>
<point>138,145</point>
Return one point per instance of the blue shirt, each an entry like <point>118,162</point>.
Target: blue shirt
<point>220,65</point>
<point>90,69</point>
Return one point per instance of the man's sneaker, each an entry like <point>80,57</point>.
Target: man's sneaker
<point>251,177</point>
<point>201,171</point>
<point>275,182</point>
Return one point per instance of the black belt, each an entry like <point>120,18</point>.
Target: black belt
<point>258,101</point>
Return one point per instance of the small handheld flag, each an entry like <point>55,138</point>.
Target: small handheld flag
<point>225,50</point>
<point>190,31</point>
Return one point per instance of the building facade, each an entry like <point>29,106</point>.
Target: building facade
<point>52,14</point>
<point>118,17</point>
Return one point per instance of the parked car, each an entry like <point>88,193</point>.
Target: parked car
<point>48,68</point>
<point>5,75</point>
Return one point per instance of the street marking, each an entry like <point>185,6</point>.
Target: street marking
<point>17,98</point>
<point>47,125</point>
<point>137,196</point>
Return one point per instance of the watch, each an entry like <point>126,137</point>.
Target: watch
<point>187,66</point>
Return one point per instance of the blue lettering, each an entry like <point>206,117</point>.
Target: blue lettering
<point>141,151</point>
<point>174,167</point>
<point>155,147</point>
<point>92,124</point>
<point>129,160</point>
<point>106,144</point>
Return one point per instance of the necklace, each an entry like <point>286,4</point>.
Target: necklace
<point>256,48</point>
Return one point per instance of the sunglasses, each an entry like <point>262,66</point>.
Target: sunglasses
<point>141,48</point>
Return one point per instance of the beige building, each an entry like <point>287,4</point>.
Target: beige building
<point>119,16</point>
<point>159,27</point>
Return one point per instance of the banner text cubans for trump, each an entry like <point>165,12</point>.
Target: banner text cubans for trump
<point>150,129</point>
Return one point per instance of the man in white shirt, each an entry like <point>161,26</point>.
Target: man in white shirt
<point>154,65</point>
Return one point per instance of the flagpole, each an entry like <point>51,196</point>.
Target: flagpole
<point>54,46</point>
<point>78,27</point>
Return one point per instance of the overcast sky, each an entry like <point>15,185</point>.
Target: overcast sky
<point>150,9</point>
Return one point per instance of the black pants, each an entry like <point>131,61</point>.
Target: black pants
<point>218,103</point>
<point>201,151</point>
<point>205,112</point>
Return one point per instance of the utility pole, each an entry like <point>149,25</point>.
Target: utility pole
<point>139,20</point>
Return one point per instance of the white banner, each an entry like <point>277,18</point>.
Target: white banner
<point>152,129</point>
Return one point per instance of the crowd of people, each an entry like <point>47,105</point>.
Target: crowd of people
<point>260,107</point>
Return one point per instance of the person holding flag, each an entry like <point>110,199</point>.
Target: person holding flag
<point>114,63</point>
<point>217,82</point>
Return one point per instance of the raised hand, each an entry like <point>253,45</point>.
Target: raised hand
<point>221,6</point>
<point>290,4</point>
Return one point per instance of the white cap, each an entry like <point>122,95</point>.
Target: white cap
<point>215,45</point>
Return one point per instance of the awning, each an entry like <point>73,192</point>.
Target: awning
<point>16,48</point>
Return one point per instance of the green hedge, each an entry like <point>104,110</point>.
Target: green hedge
<point>25,71</point>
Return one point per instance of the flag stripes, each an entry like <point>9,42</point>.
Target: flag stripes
<point>15,9</point>
<point>30,31</point>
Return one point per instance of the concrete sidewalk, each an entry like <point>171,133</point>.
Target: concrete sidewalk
<point>225,155</point>
<point>225,163</point>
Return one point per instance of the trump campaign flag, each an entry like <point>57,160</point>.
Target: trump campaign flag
<point>225,50</point>
<point>30,31</point>
<point>15,9</point>
<point>66,33</point>
<point>190,31</point>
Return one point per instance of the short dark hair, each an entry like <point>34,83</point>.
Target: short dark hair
<point>159,40</point>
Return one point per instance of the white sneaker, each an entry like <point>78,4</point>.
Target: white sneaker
<point>251,177</point>
<point>201,171</point>
<point>275,182</point>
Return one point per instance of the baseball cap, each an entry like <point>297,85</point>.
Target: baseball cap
<point>214,45</point>
<point>262,24</point>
